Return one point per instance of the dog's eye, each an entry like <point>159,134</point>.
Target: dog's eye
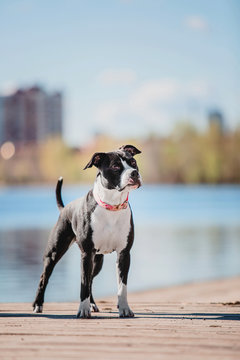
<point>115,167</point>
<point>133,163</point>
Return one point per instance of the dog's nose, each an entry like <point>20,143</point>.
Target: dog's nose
<point>134,174</point>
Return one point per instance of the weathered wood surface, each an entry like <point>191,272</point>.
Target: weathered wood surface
<point>182,322</point>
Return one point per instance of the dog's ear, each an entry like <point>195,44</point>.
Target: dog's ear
<point>96,160</point>
<point>131,149</point>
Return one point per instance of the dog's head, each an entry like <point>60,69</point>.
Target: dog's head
<point>118,169</point>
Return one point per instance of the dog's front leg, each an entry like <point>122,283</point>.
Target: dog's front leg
<point>123,263</point>
<point>86,274</point>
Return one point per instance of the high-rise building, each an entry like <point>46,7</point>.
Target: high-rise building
<point>2,112</point>
<point>215,118</point>
<point>30,115</point>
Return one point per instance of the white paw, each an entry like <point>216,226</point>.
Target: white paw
<point>94,308</point>
<point>38,309</point>
<point>84,311</point>
<point>125,312</point>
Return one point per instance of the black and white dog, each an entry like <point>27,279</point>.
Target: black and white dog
<point>100,223</point>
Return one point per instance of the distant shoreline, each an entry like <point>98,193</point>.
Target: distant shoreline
<point>90,184</point>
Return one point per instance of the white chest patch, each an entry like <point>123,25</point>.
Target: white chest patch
<point>110,229</point>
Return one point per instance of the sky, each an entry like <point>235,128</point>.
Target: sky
<point>127,68</point>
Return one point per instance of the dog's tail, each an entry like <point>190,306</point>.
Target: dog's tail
<point>60,203</point>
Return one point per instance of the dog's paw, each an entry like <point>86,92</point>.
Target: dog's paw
<point>84,311</point>
<point>94,307</point>
<point>125,312</point>
<point>84,314</point>
<point>37,309</point>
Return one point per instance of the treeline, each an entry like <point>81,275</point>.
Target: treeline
<point>185,156</point>
<point>191,157</point>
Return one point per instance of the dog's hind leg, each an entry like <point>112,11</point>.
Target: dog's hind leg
<point>59,242</point>
<point>97,266</point>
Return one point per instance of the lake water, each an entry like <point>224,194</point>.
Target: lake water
<point>183,234</point>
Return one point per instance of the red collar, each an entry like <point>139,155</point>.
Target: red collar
<point>109,207</point>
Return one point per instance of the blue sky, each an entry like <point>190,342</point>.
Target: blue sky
<point>126,67</point>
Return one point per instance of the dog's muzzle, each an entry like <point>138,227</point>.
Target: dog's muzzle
<point>135,179</point>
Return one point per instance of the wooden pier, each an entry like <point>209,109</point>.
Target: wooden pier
<point>195,321</point>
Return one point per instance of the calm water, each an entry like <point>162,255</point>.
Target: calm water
<point>182,234</point>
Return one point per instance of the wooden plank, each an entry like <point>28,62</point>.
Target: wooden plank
<point>181,322</point>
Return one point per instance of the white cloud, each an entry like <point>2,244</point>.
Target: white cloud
<point>152,106</point>
<point>142,106</point>
<point>107,111</point>
<point>8,88</point>
<point>196,22</point>
<point>110,77</point>
<point>152,92</point>
<point>198,88</point>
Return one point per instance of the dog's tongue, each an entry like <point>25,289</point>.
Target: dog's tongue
<point>133,184</point>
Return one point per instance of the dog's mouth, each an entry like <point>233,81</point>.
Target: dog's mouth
<point>134,183</point>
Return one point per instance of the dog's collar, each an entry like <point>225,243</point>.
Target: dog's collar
<point>109,207</point>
